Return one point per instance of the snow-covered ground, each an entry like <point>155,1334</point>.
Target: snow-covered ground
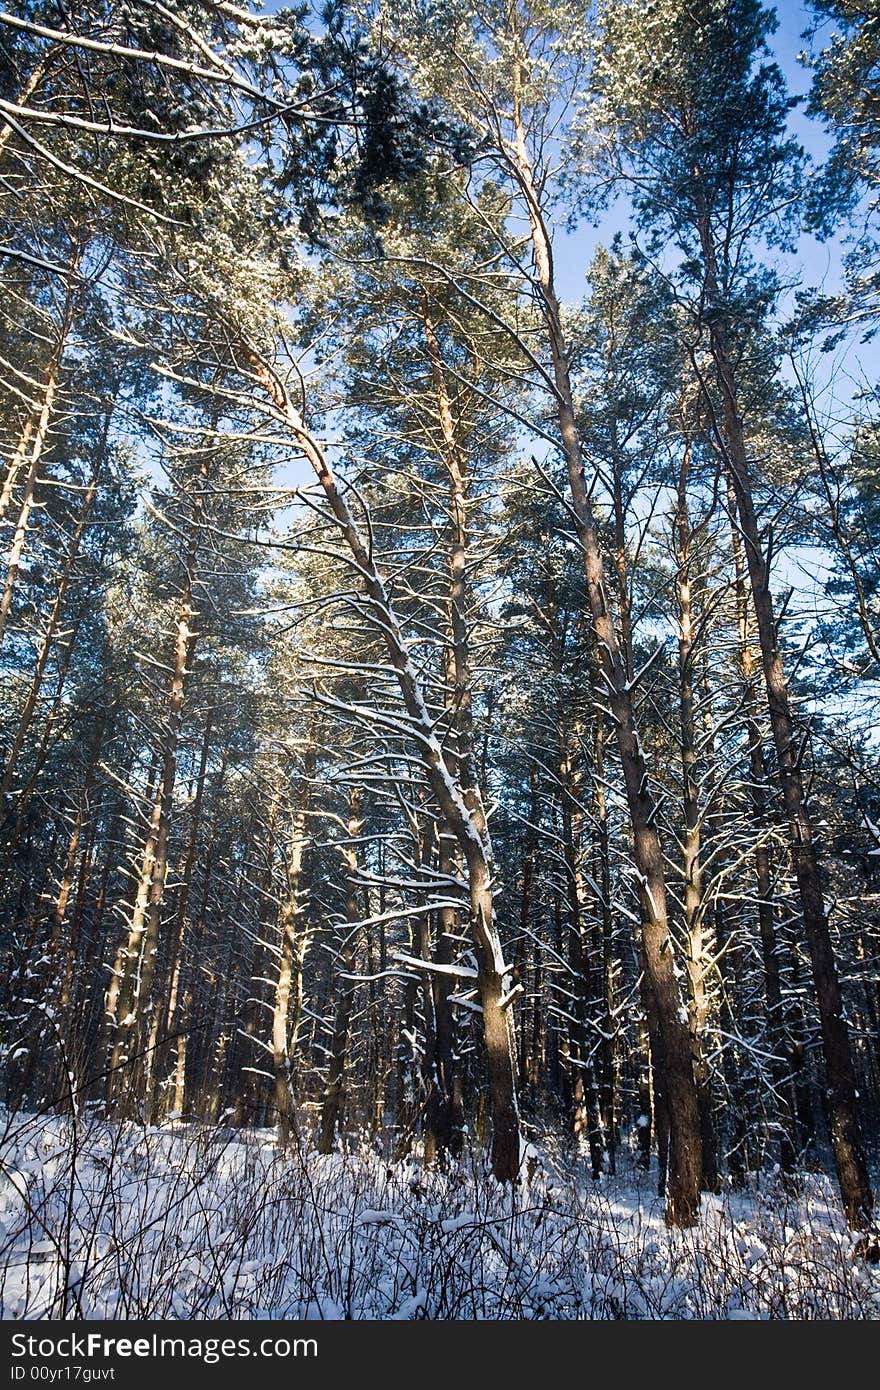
<point>102,1221</point>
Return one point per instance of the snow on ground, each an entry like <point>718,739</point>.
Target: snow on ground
<point>108,1221</point>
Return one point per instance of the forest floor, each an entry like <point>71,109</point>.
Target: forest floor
<point>110,1221</point>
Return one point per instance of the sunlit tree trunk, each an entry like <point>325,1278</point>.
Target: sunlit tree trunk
<point>333,1105</point>
<point>294,943</point>
<point>38,72</point>
<point>608,1095</point>
<point>698,947</point>
<point>14,467</point>
<point>444,1118</point>
<point>51,627</point>
<point>28,497</point>
<point>843,1113</point>
<point>586,1109</point>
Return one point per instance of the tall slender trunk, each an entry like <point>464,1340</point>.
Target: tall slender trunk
<point>37,446</point>
<point>294,942</point>
<point>656,1086</point>
<point>250,1100</point>
<point>783,1062</point>
<point>608,1051</point>
<point>842,1097</point>
<point>685,1167</point>
<point>16,463</point>
<point>90,935</point>
<point>586,1109</point>
<point>51,628</point>
<point>695,921</point>
<point>529,1065</point>
<point>77,993</point>
<point>22,799</point>
<point>191,1015</point>
<point>168,1019</point>
<point>406,1092</point>
<point>415,1069</point>
<point>444,1109</point>
<point>83,812</point>
<point>333,1106</point>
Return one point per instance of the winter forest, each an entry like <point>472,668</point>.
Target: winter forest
<point>440,655</point>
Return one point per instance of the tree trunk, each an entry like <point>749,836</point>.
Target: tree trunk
<point>333,1106</point>
<point>84,811</point>
<point>530,1048</point>
<point>846,1139</point>
<point>51,628</point>
<point>294,941</point>
<point>608,1097</point>
<point>168,1021</point>
<point>783,1062</point>
<point>15,464</point>
<point>685,1166</point>
<point>585,1109</point>
<point>698,948</point>
<point>444,1111</point>
<point>26,92</point>
<point>41,430</point>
